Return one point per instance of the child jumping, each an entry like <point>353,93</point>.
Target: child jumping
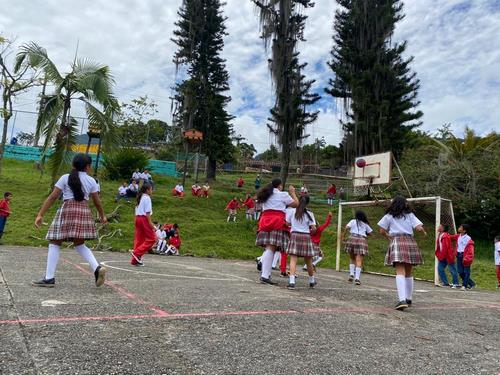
<point>302,224</point>
<point>144,235</point>
<point>232,208</point>
<point>403,253</point>
<point>4,211</point>
<point>356,245</point>
<point>73,220</point>
<point>316,239</point>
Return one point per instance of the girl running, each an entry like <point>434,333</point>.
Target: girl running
<point>302,223</point>
<point>272,232</point>
<point>403,253</point>
<point>356,245</point>
<point>144,236</point>
<point>73,220</point>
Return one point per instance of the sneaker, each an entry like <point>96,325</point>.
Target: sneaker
<point>100,275</point>
<point>454,286</point>
<point>401,305</point>
<point>50,283</point>
<point>442,285</point>
<point>313,284</point>
<point>408,302</point>
<point>304,268</point>
<point>284,274</point>
<point>463,288</point>
<point>263,280</point>
<point>291,286</point>
<point>259,266</point>
<point>351,278</point>
<point>275,268</point>
<point>357,282</point>
<point>136,261</point>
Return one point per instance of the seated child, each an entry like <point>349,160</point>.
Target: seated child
<point>196,190</point>
<point>122,193</point>
<point>132,189</point>
<point>178,190</point>
<point>161,234</point>
<point>205,189</point>
<point>174,244</point>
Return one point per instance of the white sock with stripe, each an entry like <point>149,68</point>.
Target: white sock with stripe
<point>401,286</point>
<point>358,273</point>
<point>267,263</point>
<point>52,259</point>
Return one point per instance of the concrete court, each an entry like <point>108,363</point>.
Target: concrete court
<point>183,315</point>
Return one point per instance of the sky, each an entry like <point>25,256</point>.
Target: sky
<point>455,45</point>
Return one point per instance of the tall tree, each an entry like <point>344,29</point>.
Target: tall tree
<point>200,99</point>
<point>374,81</point>
<point>87,82</point>
<point>282,24</point>
<point>14,80</point>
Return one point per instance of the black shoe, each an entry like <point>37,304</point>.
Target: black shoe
<point>291,286</point>
<point>401,305</point>
<point>284,274</point>
<point>350,279</point>
<point>263,280</point>
<point>50,283</point>
<point>275,268</point>
<point>357,282</point>
<point>408,302</point>
<point>100,275</point>
<point>259,266</point>
<point>313,284</point>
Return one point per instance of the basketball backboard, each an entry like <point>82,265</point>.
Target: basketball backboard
<point>377,170</point>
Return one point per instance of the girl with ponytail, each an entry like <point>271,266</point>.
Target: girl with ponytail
<point>145,231</point>
<point>73,221</point>
<point>273,233</point>
<point>302,223</point>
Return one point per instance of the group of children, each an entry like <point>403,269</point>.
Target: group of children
<point>253,208</point>
<point>128,190</point>
<point>168,239</point>
<point>200,191</point>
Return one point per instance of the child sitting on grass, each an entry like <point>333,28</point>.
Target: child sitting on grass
<point>174,244</point>
<point>161,234</point>
<point>232,208</point>
<point>122,193</point>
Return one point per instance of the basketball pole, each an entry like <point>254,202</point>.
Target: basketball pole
<point>402,176</point>
<point>437,224</point>
<point>339,233</point>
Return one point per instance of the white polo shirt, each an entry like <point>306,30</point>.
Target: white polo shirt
<point>358,227</point>
<point>497,253</point>
<point>462,242</point>
<point>302,225</point>
<point>401,225</point>
<point>144,207</point>
<point>89,186</point>
<point>277,201</point>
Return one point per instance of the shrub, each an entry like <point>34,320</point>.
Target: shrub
<point>166,153</point>
<point>120,164</point>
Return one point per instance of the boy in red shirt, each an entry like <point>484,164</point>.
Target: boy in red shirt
<point>4,211</point>
<point>240,182</point>
<point>445,253</point>
<point>232,208</point>
<point>330,193</point>
<point>465,255</point>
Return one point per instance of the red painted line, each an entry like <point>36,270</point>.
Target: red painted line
<point>67,319</point>
<point>122,291</point>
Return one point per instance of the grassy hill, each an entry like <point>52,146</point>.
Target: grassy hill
<point>204,230</point>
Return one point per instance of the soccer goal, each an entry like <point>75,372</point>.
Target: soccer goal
<point>432,211</point>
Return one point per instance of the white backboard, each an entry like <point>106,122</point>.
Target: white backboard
<point>377,169</point>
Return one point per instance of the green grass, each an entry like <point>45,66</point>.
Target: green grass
<point>204,230</point>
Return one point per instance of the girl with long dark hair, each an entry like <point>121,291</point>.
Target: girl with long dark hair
<point>302,224</point>
<point>356,245</point>
<point>145,230</point>
<point>73,221</point>
<point>273,232</point>
<point>403,253</point>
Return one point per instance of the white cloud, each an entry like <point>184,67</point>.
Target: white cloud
<point>455,44</point>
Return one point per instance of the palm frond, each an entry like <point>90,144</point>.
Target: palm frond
<point>94,81</point>
<point>64,140</point>
<point>36,57</point>
<point>51,110</point>
<point>104,121</point>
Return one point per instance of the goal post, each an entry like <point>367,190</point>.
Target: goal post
<point>431,210</point>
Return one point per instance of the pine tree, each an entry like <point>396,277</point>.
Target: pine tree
<point>376,85</point>
<point>282,23</point>
<point>200,99</point>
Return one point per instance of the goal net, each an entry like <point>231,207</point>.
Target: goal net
<point>432,211</point>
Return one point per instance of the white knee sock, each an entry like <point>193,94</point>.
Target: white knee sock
<point>351,269</point>
<point>52,259</point>
<point>85,252</point>
<point>358,273</point>
<point>409,287</point>
<point>267,263</point>
<point>311,279</point>
<point>317,260</point>
<point>401,286</point>
<point>276,258</point>
<point>291,279</point>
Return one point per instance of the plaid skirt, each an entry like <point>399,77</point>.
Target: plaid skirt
<point>356,245</point>
<point>250,211</point>
<point>301,245</point>
<point>403,249</point>
<point>73,220</point>
<point>278,238</point>
<point>317,250</point>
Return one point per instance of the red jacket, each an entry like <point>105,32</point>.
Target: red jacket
<point>468,251</point>
<point>316,236</point>
<point>4,208</point>
<point>249,203</point>
<point>445,251</point>
<point>332,190</point>
<point>175,242</point>
<point>233,205</point>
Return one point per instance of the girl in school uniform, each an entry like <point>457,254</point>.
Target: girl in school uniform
<point>232,208</point>
<point>161,235</point>
<point>205,189</point>
<point>250,205</point>
<point>302,224</point>
<point>144,236</point>
<point>73,220</point>
<point>330,194</point>
<point>356,245</point>
<point>272,232</point>
<point>403,253</point>
<point>316,240</point>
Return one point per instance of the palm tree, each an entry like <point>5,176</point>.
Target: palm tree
<point>87,82</point>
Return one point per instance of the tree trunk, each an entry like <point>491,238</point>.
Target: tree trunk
<point>211,169</point>
<point>6,117</point>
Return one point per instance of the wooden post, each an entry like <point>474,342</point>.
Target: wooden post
<point>438,222</point>
<point>339,240</point>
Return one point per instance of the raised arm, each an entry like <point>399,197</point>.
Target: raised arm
<point>295,203</point>
<point>46,205</point>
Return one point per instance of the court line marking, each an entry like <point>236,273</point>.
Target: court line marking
<point>235,278</point>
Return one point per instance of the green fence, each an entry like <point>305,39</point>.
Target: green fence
<point>166,168</point>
